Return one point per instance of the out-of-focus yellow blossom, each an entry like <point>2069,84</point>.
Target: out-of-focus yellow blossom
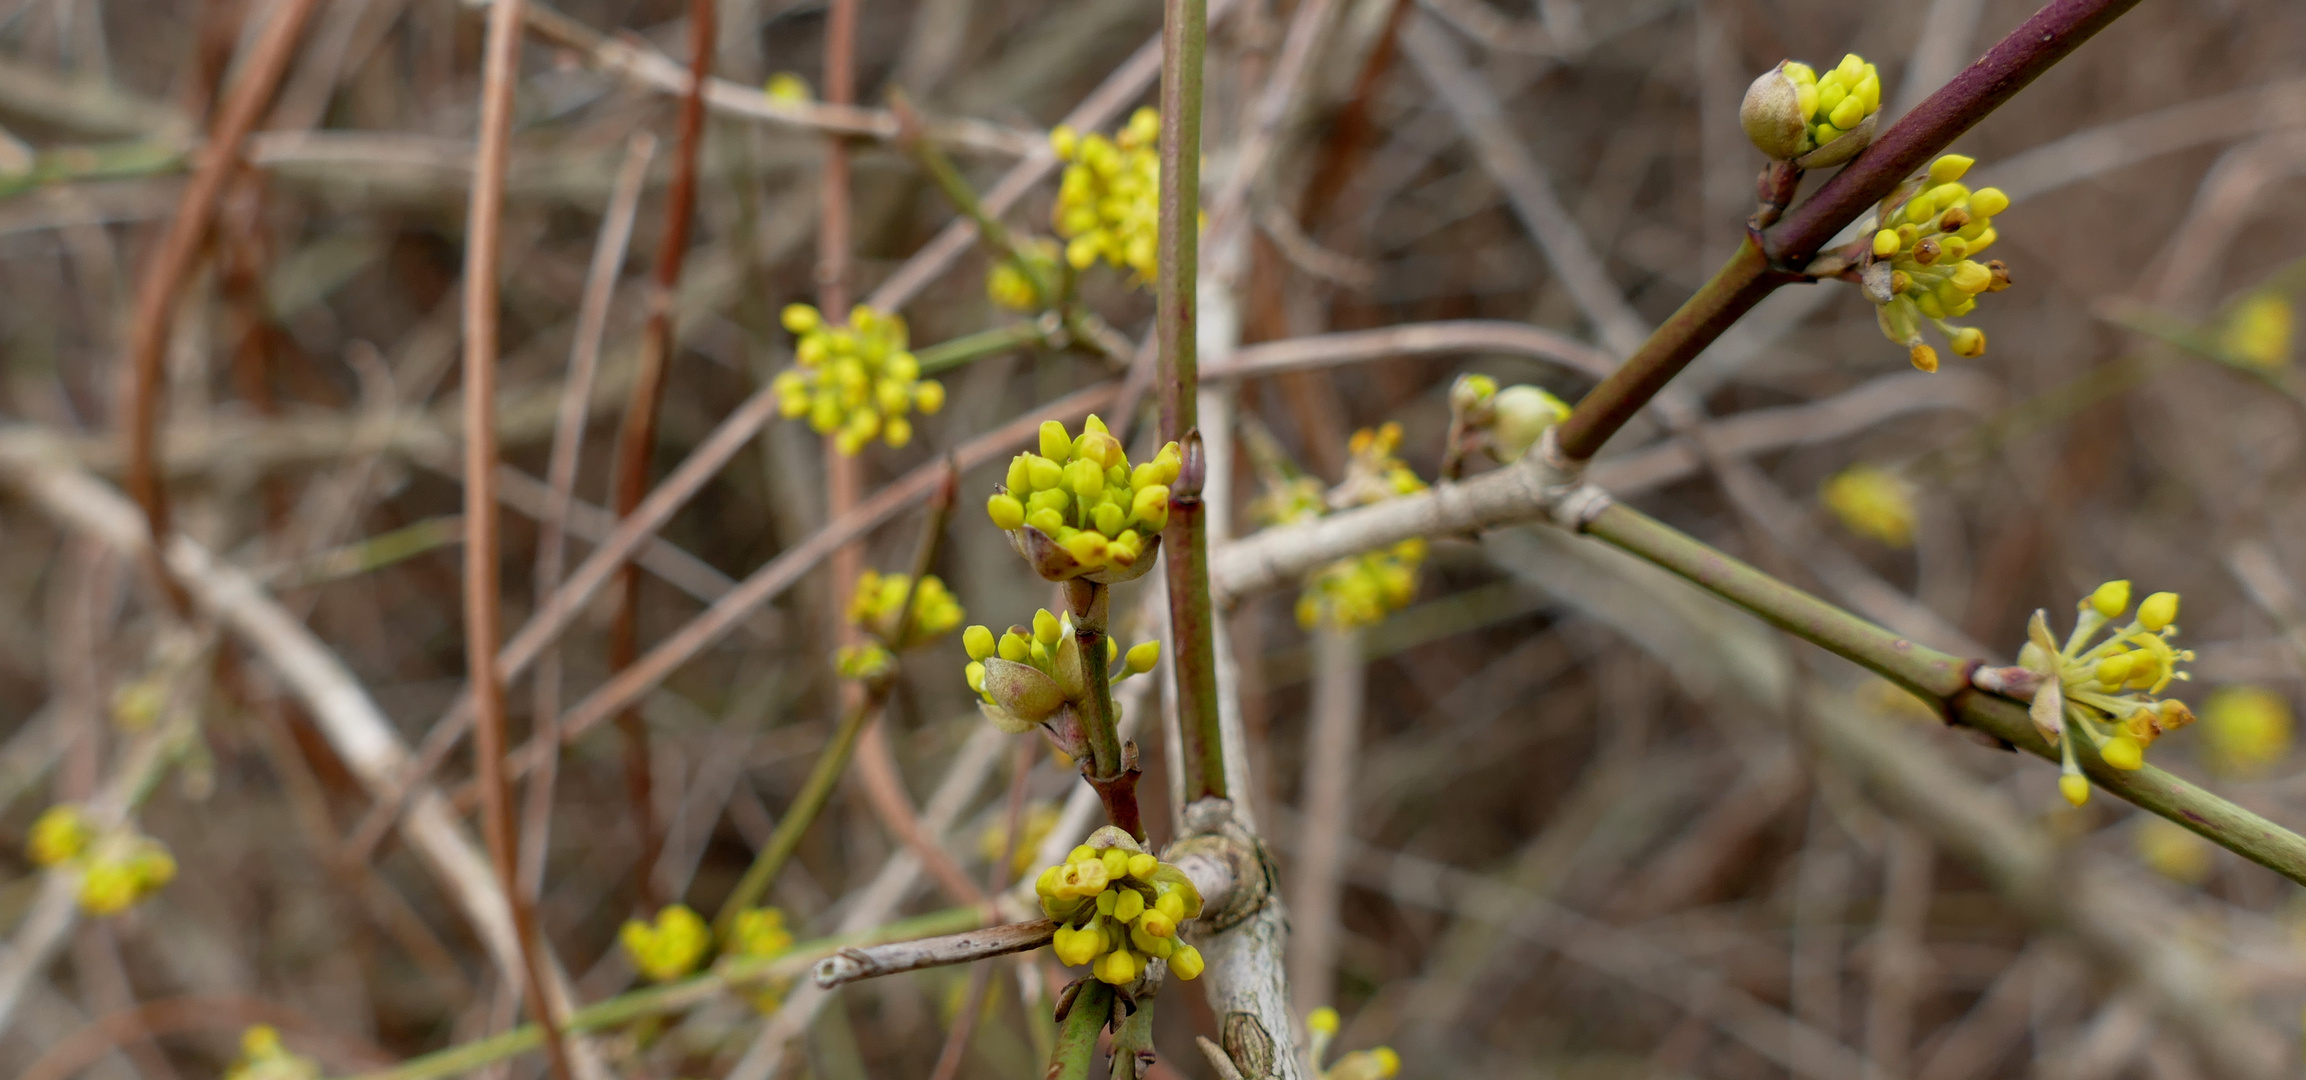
<point>789,88</point>
<point>1321,1028</point>
<point>761,933</point>
<point>1922,266</point>
<point>671,947</point>
<point>1118,908</point>
<point>2247,729</point>
<point>880,599</point>
<point>1362,589</point>
<point>1039,819</point>
<point>263,1057</point>
<point>1872,502</point>
<point>1010,286</point>
<point>121,871</point>
<point>60,834</point>
<point>1080,509</point>
<point>1108,202</point>
<point>1793,113</point>
<point>2173,851</point>
<point>2106,691</point>
<point>2257,332</point>
<point>855,382</point>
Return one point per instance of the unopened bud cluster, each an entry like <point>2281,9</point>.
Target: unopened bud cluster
<point>1080,509</point>
<point>118,868</point>
<point>1359,590</point>
<point>1793,113</point>
<point>1510,420</point>
<point>1321,1028</point>
<point>2106,691</point>
<point>1873,501</point>
<point>263,1057</point>
<point>1108,202</point>
<point>1012,287</point>
<point>855,382</point>
<point>1921,266</point>
<point>1031,675</point>
<point>879,606</point>
<point>1118,908</point>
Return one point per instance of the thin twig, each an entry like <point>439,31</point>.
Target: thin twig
<point>179,248</point>
<point>1332,741</point>
<point>484,223</point>
<point>637,437</point>
<point>850,965</point>
<point>608,260</point>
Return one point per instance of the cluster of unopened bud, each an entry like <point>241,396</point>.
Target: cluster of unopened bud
<point>1920,264</point>
<point>1079,509</point>
<point>2247,729</point>
<point>2107,691</point>
<point>1872,501</point>
<point>760,933</point>
<point>1039,819</point>
<point>1108,200</point>
<point>1118,908</point>
<point>1358,590</point>
<point>1321,1028</point>
<point>1510,420</point>
<point>263,1057</point>
<point>855,382</point>
<point>118,868</point>
<point>1014,287</point>
<point>879,605</point>
<point>1793,113</point>
<point>1028,674</point>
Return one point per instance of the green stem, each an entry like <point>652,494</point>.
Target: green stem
<point>1184,41</point>
<point>1077,1039</point>
<point>947,355</point>
<point>1108,768</point>
<point>1944,678</point>
<point>964,198</point>
<point>1133,1041</point>
<point>815,793</point>
<point>673,997</point>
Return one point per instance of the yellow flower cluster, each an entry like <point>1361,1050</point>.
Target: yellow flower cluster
<point>1108,201</point>
<point>2247,728</point>
<point>1359,590</point>
<point>1321,1026</point>
<point>855,382</point>
<point>262,1057</point>
<point>1029,673</point>
<point>879,600</point>
<point>671,947</point>
<point>2173,851</point>
<point>1118,908</point>
<point>1793,113</point>
<point>1010,286</point>
<point>117,870</point>
<point>2107,691</point>
<point>760,933</point>
<point>1926,241</point>
<point>1079,509</point>
<point>1873,502</point>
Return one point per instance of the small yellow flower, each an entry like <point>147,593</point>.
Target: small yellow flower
<point>2105,692</point>
<point>60,835</point>
<point>788,88</point>
<point>1321,1029</point>
<point>880,598</point>
<point>1359,590</point>
<point>1873,502</point>
<point>1923,267</point>
<point>760,933</point>
<point>122,871</point>
<point>670,948</point>
<point>1108,200</point>
<point>263,1057</point>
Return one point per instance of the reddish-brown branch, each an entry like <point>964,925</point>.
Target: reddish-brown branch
<point>637,438</point>
<point>2056,30</point>
<point>484,232</point>
<point>171,262</point>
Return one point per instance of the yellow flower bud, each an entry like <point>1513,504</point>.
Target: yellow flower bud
<point>2075,788</point>
<point>2110,598</point>
<point>800,318</point>
<point>1007,513</point>
<point>1186,962</point>
<point>2158,610</point>
<point>1923,357</point>
<point>1972,277</point>
<point>2124,753</point>
<point>1129,905</point>
<point>1987,202</point>
<point>1142,657</point>
<point>59,835</point>
<point>1322,1021</point>
<point>1118,967</point>
<point>1116,863</point>
<point>1886,243</point>
<point>1950,168</point>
